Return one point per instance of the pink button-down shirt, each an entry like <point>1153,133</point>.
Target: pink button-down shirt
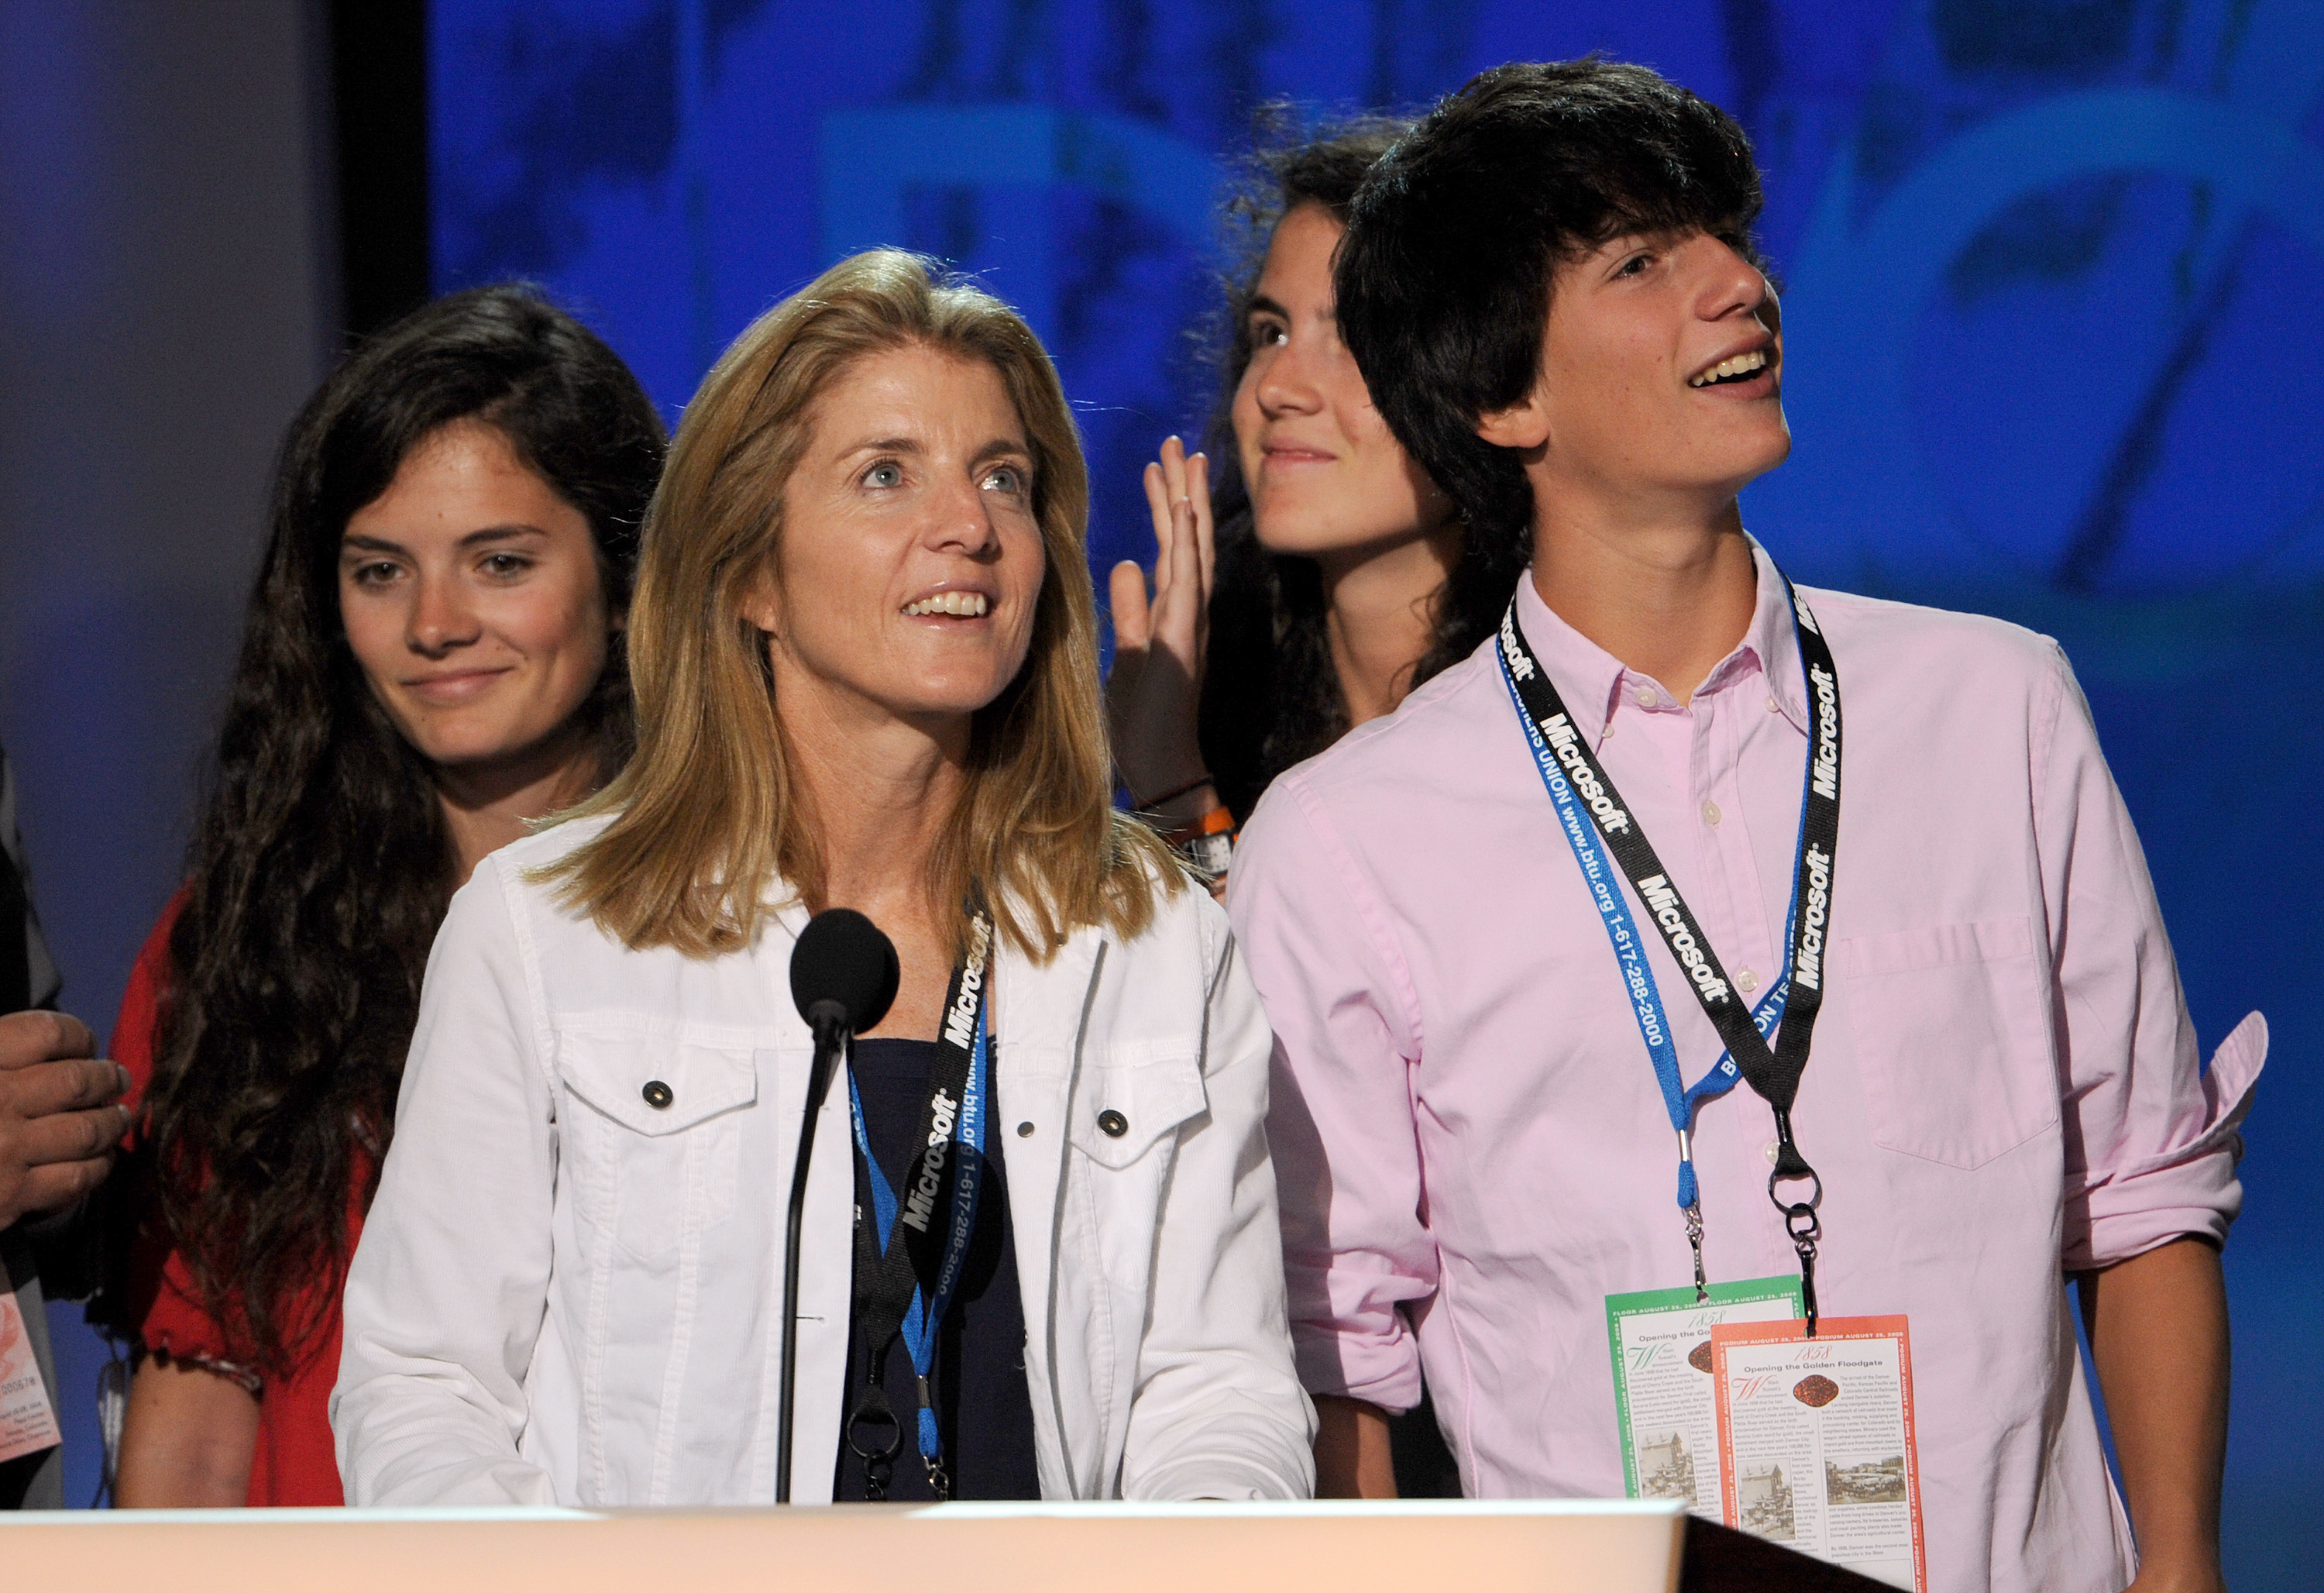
<point>1470,1145</point>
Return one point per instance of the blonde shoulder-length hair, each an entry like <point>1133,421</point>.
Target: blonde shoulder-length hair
<point>709,826</point>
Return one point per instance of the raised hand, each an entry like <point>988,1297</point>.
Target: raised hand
<point>1156,683</point>
<point>58,1124</point>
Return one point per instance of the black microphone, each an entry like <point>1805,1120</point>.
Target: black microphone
<point>843,976</point>
<point>843,972</point>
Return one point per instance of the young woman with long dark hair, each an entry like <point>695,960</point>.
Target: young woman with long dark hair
<point>432,658</point>
<point>1343,577</point>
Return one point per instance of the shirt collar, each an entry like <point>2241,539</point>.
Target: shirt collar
<point>1596,685</point>
<point>1774,643</point>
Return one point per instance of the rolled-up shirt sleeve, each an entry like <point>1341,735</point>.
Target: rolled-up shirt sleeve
<point>1340,1118</point>
<point>2151,1140</point>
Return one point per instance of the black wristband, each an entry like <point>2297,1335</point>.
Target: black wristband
<point>1149,804</point>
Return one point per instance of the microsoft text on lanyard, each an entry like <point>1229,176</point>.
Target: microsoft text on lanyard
<point>1589,806</point>
<point>905,1280</point>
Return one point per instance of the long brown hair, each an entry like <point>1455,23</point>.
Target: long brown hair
<point>708,816</point>
<point>321,866</point>
<point>1271,694</point>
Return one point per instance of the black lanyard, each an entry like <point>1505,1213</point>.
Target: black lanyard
<point>1774,1074</point>
<point>905,1286</point>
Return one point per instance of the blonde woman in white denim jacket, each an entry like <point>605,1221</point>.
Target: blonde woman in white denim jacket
<point>864,653</point>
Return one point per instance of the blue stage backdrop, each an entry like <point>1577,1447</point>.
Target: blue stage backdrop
<point>2052,269</point>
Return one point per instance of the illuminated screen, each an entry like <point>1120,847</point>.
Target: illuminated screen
<point>2052,267</point>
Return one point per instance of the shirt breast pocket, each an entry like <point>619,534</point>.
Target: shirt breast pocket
<point>662,1133</point>
<point>1126,1119</point>
<point>1952,1037</point>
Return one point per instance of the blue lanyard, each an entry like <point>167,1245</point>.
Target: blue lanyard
<point>1575,779</point>
<point>922,1318</point>
<point>1679,1100</point>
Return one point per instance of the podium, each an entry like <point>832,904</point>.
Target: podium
<point>1542,1546</point>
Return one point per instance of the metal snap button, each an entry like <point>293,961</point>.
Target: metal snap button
<point>1113,1124</point>
<point>657,1094</point>
<point>1024,1131</point>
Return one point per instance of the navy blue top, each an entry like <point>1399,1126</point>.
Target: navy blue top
<point>984,1405</point>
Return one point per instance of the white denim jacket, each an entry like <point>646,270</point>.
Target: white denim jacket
<point>565,1294</point>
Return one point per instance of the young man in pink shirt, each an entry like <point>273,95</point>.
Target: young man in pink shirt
<point>1514,940</point>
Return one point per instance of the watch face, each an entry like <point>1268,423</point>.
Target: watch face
<point>1211,852</point>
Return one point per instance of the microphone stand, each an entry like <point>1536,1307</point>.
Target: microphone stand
<point>830,1021</point>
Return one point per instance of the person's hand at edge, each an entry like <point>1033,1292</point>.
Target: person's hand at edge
<point>60,1125</point>
<point>1156,687</point>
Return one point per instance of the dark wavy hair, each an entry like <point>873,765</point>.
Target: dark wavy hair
<point>1271,692</point>
<point>1443,285</point>
<point>322,866</point>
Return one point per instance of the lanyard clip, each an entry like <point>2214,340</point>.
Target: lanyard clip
<point>1801,1223</point>
<point>1800,1219</point>
<point>1694,1241</point>
<point>1806,1244</point>
<point>1689,1203</point>
<point>865,1420</point>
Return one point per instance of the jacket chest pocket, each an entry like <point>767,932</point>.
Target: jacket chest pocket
<point>1952,1038</point>
<point>661,1125</point>
<point>1124,1134</point>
